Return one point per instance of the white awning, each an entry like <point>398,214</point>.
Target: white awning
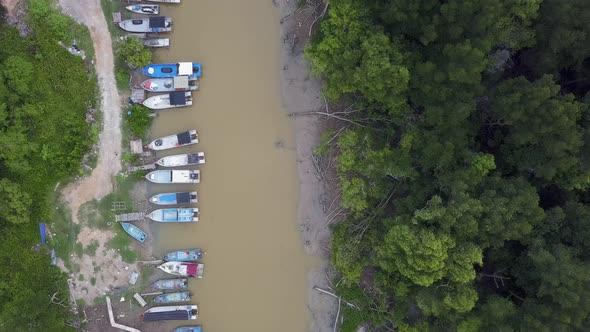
<point>185,68</point>
<point>180,176</point>
<point>181,82</point>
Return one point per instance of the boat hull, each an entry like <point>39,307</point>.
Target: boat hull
<point>174,176</point>
<point>188,197</point>
<point>168,85</point>
<point>183,269</point>
<point>171,284</point>
<point>182,215</point>
<point>134,231</point>
<point>174,141</point>
<point>179,312</point>
<point>189,329</point>
<point>185,159</point>
<point>188,255</point>
<point>165,101</point>
<point>184,296</point>
<point>163,70</point>
<point>144,9</point>
<point>156,42</point>
<point>164,24</point>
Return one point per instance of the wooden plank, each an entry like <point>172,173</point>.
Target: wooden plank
<point>112,319</point>
<point>135,216</point>
<point>117,17</point>
<point>140,300</point>
<point>136,146</point>
<point>142,168</point>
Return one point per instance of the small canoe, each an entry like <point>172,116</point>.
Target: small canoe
<point>176,312</point>
<point>152,24</point>
<point>175,215</point>
<point>175,176</point>
<point>174,141</point>
<point>184,159</point>
<point>187,197</point>
<point>184,296</point>
<point>173,69</point>
<point>188,255</point>
<point>134,231</point>
<point>176,83</point>
<point>156,42</point>
<point>144,9</point>
<point>169,284</point>
<point>196,328</point>
<point>169,100</point>
<point>183,269</point>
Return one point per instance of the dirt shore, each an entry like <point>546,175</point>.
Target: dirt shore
<point>302,93</point>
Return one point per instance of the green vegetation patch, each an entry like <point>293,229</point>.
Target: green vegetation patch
<point>90,250</point>
<point>122,243</point>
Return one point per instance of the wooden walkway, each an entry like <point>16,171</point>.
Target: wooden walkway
<point>147,167</point>
<point>135,216</point>
<point>112,319</point>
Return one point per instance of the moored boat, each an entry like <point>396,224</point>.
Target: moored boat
<point>183,269</point>
<point>188,255</point>
<point>169,284</point>
<point>176,312</point>
<point>156,42</point>
<point>184,296</point>
<point>174,176</point>
<point>174,141</point>
<point>134,231</point>
<point>144,9</point>
<point>164,1</point>
<point>175,215</point>
<point>152,24</point>
<point>188,197</point>
<point>173,69</point>
<point>184,159</point>
<point>196,328</point>
<point>169,100</point>
<point>176,83</point>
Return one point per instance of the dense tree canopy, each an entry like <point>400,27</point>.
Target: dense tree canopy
<point>466,188</point>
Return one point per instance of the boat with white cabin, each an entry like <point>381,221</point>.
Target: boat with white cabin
<point>172,99</point>
<point>187,197</point>
<point>174,141</point>
<point>176,83</point>
<point>164,1</point>
<point>151,24</point>
<point>196,158</point>
<point>175,215</point>
<point>174,176</point>
<point>183,269</point>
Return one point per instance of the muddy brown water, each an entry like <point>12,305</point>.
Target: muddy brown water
<point>255,268</point>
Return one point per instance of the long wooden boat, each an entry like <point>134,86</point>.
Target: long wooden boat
<point>175,215</point>
<point>176,83</point>
<point>184,159</point>
<point>172,99</point>
<point>161,70</point>
<point>170,284</point>
<point>183,269</point>
<point>174,141</point>
<point>144,9</point>
<point>195,328</point>
<point>164,1</point>
<point>176,312</point>
<point>174,176</point>
<point>156,42</point>
<point>187,197</point>
<point>134,231</point>
<point>184,296</point>
<point>187,255</point>
<point>151,24</point>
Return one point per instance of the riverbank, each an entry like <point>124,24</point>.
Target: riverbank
<point>303,93</point>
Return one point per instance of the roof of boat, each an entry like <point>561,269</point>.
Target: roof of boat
<point>180,82</point>
<point>178,98</point>
<point>185,68</point>
<point>183,198</point>
<point>185,137</point>
<point>158,22</point>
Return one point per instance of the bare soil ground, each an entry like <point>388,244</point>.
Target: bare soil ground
<point>302,93</point>
<point>15,13</point>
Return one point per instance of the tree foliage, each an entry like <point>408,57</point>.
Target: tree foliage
<point>133,52</point>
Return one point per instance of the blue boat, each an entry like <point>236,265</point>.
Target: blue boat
<point>189,329</point>
<point>190,69</point>
<point>175,215</point>
<point>184,296</point>
<point>168,284</point>
<point>134,231</point>
<point>188,197</point>
<point>187,255</point>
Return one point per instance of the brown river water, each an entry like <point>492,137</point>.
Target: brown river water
<point>255,267</point>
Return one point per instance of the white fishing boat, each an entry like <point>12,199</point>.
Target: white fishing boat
<point>173,312</point>
<point>169,100</point>
<point>184,159</point>
<point>174,141</point>
<point>156,42</point>
<point>174,176</point>
<point>164,1</point>
<point>176,83</point>
<point>152,24</point>
<point>175,215</point>
<point>183,269</point>
<point>186,197</point>
<point>144,9</point>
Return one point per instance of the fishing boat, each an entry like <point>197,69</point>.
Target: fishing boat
<point>184,296</point>
<point>174,141</point>
<point>184,159</point>
<point>176,83</point>
<point>174,176</point>
<point>176,312</point>
<point>169,100</point>
<point>134,231</point>
<point>144,9</point>
<point>169,284</point>
<point>187,255</point>
<point>196,328</point>
<point>175,215</point>
<point>187,197</point>
<point>173,69</point>
<point>164,1</point>
<point>183,269</point>
<point>152,24</point>
<point>156,42</point>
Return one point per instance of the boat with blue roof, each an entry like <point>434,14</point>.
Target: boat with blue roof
<point>170,284</point>
<point>187,197</point>
<point>175,215</point>
<point>196,328</point>
<point>186,255</point>
<point>178,312</point>
<point>151,24</point>
<point>134,231</point>
<point>144,9</point>
<point>191,69</point>
<point>184,296</point>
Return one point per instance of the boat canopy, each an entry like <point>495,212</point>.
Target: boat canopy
<point>179,176</point>
<point>185,68</point>
<point>183,198</point>
<point>178,98</point>
<point>158,22</point>
<point>183,138</point>
<point>181,82</point>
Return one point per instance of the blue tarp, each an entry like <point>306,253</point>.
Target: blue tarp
<point>42,228</point>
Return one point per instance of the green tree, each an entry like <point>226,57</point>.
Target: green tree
<point>133,52</point>
<point>16,203</point>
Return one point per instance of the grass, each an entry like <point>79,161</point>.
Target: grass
<point>81,277</point>
<point>65,232</point>
<point>121,243</point>
<point>93,281</point>
<point>91,249</point>
<point>79,249</point>
<point>91,215</point>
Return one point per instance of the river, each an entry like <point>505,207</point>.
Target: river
<point>255,267</point>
